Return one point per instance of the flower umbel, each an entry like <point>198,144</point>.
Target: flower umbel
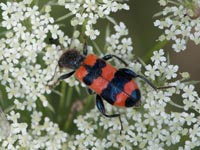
<point>24,78</point>
<point>89,11</point>
<point>180,22</point>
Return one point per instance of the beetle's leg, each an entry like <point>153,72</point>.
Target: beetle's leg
<point>109,56</point>
<point>85,51</point>
<point>90,91</point>
<point>132,74</point>
<point>54,41</point>
<point>62,77</point>
<point>101,108</point>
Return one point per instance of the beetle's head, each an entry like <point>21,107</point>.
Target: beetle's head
<point>70,59</point>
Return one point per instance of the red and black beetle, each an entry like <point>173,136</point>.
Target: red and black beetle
<point>116,86</point>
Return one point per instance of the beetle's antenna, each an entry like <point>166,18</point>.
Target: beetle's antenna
<point>147,81</point>
<point>153,86</point>
<point>120,124</point>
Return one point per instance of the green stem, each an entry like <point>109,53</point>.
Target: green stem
<point>158,46</point>
<point>69,97</point>
<point>176,105</point>
<point>97,47</point>
<point>62,98</point>
<point>63,17</point>
<point>83,28</point>
<point>112,20</point>
<point>174,3</point>
<point>67,105</point>
<point>182,107</point>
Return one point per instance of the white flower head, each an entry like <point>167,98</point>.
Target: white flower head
<point>152,71</point>
<point>25,79</point>
<point>189,93</point>
<point>158,56</point>
<point>120,44</point>
<point>92,33</point>
<point>93,10</point>
<point>121,29</point>
<point>171,71</point>
<point>180,23</point>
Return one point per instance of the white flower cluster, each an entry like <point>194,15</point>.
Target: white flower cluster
<point>44,135</point>
<point>24,78</point>
<point>160,67</point>
<point>119,44</point>
<point>87,12</point>
<point>150,126</point>
<point>180,23</point>
<point>21,48</point>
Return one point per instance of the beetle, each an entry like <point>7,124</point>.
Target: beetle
<point>116,86</point>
